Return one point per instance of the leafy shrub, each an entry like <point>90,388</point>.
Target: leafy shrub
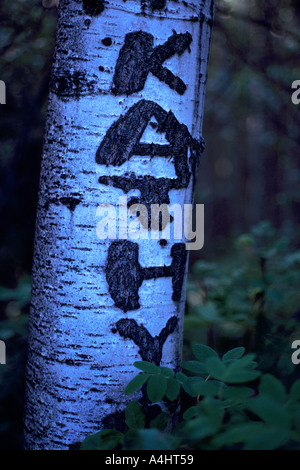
<point>234,406</point>
<point>250,298</point>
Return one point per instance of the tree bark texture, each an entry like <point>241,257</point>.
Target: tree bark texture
<point>124,119</point>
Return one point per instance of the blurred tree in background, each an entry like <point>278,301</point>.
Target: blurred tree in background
<point>249,173</point>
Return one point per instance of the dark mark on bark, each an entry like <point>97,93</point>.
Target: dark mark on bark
<point>125,276</point>
<point>70,202</point>
<point>150,348</point>
<point>71,85</point>
<point>93,7</point>
<point>138,58</point>
<point>106,42</point>
<point>109,400</point>
<point>75,446</point>
<point>154,4</point>
<point>115,421</point>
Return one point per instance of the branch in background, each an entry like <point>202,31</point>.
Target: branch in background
<point>256,21</point>
<point>50,3</point>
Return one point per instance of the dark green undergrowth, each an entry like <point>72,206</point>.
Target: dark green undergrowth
<point>234,406</point>
<point>250,298</point>
<point>248,301</point>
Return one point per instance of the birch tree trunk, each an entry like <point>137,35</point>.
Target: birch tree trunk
<point>124,119</point>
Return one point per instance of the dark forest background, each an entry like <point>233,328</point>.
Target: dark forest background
<point>244,284</point>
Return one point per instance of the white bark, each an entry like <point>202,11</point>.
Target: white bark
<point>78,362</point>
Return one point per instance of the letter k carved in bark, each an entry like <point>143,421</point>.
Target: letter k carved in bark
<point>138,58</point>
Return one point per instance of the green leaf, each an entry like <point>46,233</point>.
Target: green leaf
<point>295,390</point>
<point>269,385</point>
<point>272,438</point>
<point>192,385</point>
<point>181,377</point>
<point>266,408</point>
<point>107,439</point>
<point>150,439</point>
<point>257,436</point>
<point>134,416</point>
<point>241,376</point>
<point>136,383</point>
<point>208,407</point>
<point>237,393</point>
<point>241,363</point>
<point>153,439</point>
<point>252,365</point>
<point>238,371</point>
<point>156,387</point>
<point>201,427</point>
<point>160,421</point>
<point>195,367</point>
<point>216,368</point>
<point>238,433</point>
<point>146,366</point>
<point>197,386</point>
<point>192,412</point>
<point>213,407</point>
<point>232,373</point>
<point>173,389</point>
<point>166,371</point>
<point>211,388</point>
<point>296,420</point>
<point>203,352</point>
<point>235,353</point>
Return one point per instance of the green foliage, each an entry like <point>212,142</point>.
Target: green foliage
<point>235,407</point>
<point>107,439</point>
<point>134,416</point>
<point>136,437</point>
<point>13,330</point>
<point>20,295</point>
<point>249,298</point>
